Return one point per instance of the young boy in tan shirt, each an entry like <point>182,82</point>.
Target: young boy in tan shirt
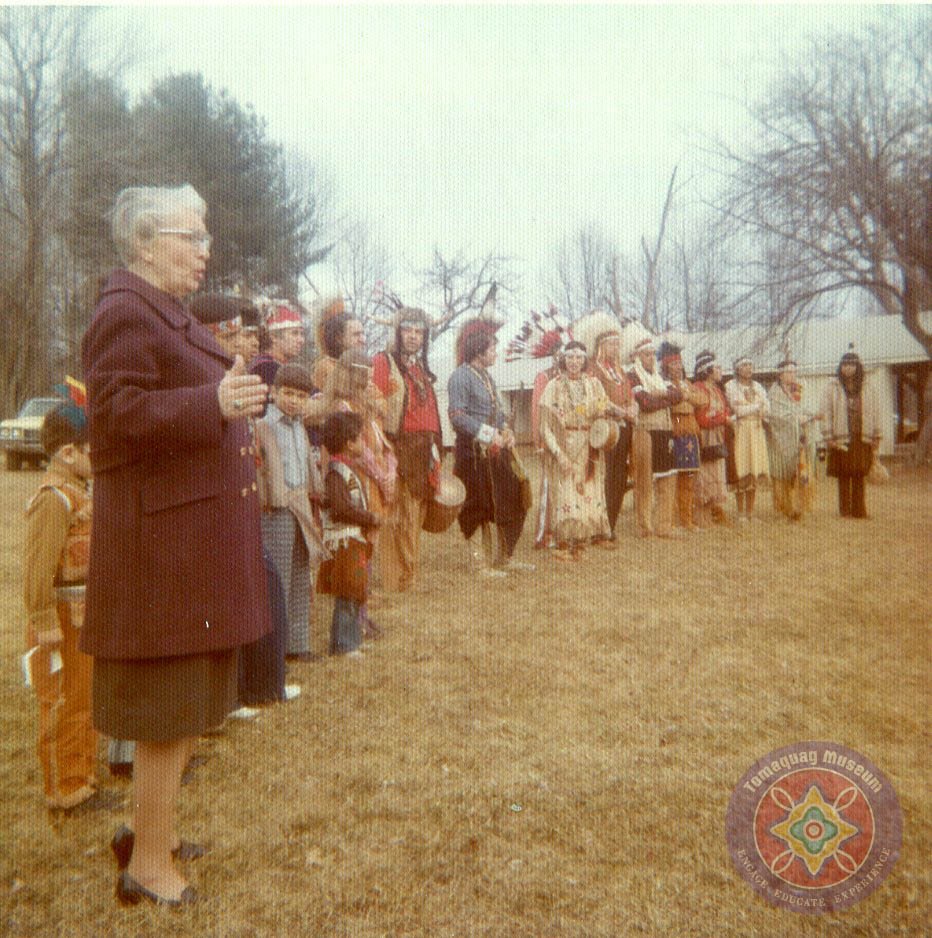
<point>58,531</point>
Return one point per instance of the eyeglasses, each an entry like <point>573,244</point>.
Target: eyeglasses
<point>197,239</point>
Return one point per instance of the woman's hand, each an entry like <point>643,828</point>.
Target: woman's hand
<point>241,394</point>
<point>503,439</point>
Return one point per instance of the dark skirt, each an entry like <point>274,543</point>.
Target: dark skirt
<point>616,474</point>
<point>854,461</point>
<point>731,472</point>
<point>686,452</point>
<point>662,455</point>
<point>493,491</point>
<point>160,700</point>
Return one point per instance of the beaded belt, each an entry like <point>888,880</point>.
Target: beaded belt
<point>70,592</point>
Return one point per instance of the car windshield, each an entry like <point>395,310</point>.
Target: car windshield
<point>39,406</point>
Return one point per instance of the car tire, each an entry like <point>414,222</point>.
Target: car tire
<point>13,461</point>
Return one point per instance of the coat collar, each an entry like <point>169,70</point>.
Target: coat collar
<point>56,474</point>
<point>168,308</point>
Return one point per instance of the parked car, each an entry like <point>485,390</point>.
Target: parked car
<point>19,436</point>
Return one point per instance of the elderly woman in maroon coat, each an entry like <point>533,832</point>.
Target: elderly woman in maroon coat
<point>175,583</point>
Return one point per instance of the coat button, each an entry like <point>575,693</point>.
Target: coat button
<point>254,487</point>
<point>242,451</point>
<point>244,492</point>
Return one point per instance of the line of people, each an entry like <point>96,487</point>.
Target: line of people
<point>395,465</point>
<point>211,511</point>
<point>225,473</point>
<point>612,403</point>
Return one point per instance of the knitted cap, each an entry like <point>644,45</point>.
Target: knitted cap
<point>283,317</point>
<point>851,356</point>
<point>669,352</point>
<point>704,362</point>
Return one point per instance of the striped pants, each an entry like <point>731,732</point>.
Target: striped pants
<point>284,542</point>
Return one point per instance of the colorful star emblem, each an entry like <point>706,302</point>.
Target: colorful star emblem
<point>813,830</point>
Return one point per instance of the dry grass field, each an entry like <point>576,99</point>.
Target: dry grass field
<point>548,755</point>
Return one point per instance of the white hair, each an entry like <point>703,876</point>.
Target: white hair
<point>138,212</point>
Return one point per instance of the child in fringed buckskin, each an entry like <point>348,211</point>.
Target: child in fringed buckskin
<point>58,533</point>
<point>349,528</point>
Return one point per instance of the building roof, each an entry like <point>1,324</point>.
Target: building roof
<point>815,346</point>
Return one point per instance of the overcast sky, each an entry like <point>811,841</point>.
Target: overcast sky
<point>491,128</point>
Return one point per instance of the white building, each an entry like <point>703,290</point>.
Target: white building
<point>894,361</point>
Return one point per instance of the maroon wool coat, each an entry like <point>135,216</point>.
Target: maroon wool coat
<point>176,564</point>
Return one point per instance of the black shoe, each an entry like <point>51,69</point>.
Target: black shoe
<point>303,657</point>
<point>121,769</point>
<point>124,839</point>
<point>129,892</point>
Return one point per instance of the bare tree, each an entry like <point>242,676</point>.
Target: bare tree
<point>649,307</point>
<point>37,48</point>
<point>587,273</point>
<point>694,288</point>
<point>314,189</point>
<point>591,273</point>
<point>362,268</point>
<point>838,188</point>
<point>462,285</point>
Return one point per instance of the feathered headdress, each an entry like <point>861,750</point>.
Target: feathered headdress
<point>593,328</point>
<point>75,394</point>
<point>398,312</point>
<point>541,336</point>
<point>283,317</point>
<point>634,337</point>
